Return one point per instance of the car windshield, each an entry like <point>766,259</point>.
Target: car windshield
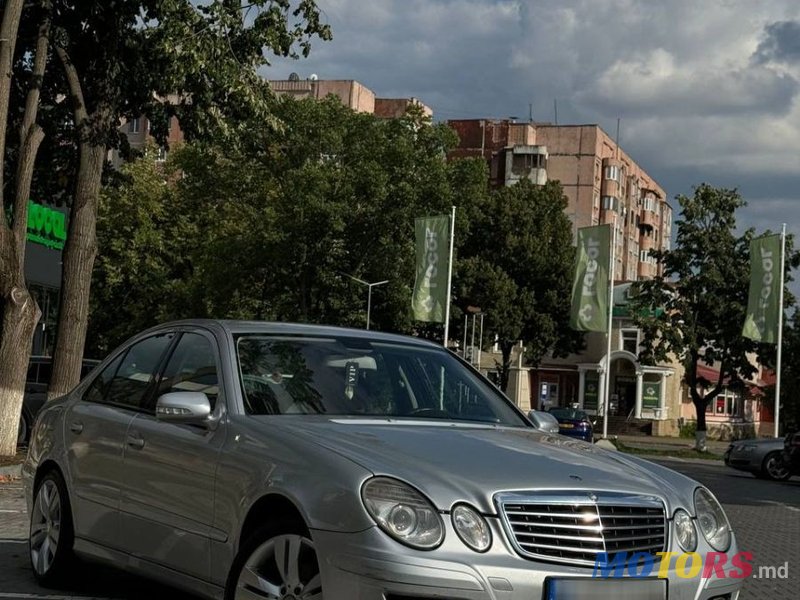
<point>361,377</point>
<point>569,413</point>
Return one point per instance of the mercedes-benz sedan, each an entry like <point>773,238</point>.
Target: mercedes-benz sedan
<point>251,460</point>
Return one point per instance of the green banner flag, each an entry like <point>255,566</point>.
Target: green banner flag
<point>430,287</point>
<point>763,306</point>
<point>590,288</point>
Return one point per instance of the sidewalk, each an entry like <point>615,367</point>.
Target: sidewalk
<point>645,442</point>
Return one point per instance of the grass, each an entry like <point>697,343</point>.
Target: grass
<point>672,452</point>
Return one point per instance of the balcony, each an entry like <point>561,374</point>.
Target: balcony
<point>648,218</point>
<point>526,162</point>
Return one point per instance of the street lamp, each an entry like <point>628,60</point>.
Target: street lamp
<point>369,292</point>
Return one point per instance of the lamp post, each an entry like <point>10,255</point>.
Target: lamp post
<point>369,292</point>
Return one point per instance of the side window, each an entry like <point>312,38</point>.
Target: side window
<point>97,390</point>
<point>192,368</point>
<point>136,371</point>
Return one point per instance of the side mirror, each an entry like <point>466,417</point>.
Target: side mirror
<point>543,421</point>
<point>183,407</point>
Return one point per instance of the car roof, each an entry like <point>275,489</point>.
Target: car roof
<point>234,327</point>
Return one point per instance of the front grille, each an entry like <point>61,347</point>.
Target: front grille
<point>574,527</point>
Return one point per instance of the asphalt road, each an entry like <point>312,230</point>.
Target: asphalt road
<point>765,516</point>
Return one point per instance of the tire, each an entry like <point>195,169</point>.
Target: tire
<point>257,566</point>
<point>51,527</point>
<point>774,468</point>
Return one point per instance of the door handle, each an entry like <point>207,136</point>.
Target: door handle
<point>135,442</point>
<point>76,427</point>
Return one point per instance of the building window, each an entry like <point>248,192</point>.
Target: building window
<point>612,172</point>
<point>133,125</point>
<point>728,403</point>
<point>629,340</point>
<point>611,203</point>
<point>162,154</point>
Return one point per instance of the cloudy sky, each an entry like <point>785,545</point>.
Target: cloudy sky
<point>707,90</point>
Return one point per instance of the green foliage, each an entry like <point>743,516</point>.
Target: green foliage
<point>516,265</point>
<point>688,429</point>
<point>270,227</point>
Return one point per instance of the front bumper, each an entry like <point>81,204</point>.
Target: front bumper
<point>371,566</point>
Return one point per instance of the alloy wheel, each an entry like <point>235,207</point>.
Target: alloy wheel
<point>776,468</point>
<point>284,567</point>
<point>45,527</point>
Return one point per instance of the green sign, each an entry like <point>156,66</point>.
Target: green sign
<point>763,307</point>
<point>651,395</point>
<point>590,287</point>
<point>433,251</point>
<point>591,387</point>
<point>46,226</point>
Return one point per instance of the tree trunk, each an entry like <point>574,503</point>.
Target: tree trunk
<point>76,277</point>
<point>700,432</point>
<point>20,316</point>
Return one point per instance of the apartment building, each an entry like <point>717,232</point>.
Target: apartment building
<point>352,94</point>
<point>602,183</point>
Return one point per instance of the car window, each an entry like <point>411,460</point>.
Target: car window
<point>191,368</point>
<point>98,388</point>
<point>136,371</point>
<point>354,376</point>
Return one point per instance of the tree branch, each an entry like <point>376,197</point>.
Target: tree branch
<point>74,82</point>
<point>9,29</point>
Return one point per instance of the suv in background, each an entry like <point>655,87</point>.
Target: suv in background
<point>36,383</point>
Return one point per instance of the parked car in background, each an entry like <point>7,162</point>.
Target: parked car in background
<point>761,457</point>
<point>246,460</point>
<point>791,452</point>
<point>37,381</point>
<point>573,422</point>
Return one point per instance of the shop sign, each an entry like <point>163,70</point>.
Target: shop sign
<point>651,395</point>
<point>46,226</point>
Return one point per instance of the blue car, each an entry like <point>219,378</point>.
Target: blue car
<point>573,422</point>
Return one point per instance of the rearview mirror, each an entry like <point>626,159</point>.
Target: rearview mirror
<point>543,421</point>
<point>183,407</point>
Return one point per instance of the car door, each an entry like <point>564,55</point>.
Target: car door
<point>167,502</point>
<point>95,430</point>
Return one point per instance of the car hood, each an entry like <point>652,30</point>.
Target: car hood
<point>453,463</point>
<point>760,442</point>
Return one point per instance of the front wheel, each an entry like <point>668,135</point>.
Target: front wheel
<point>775,468</point>
<point>276,563</point>
<point>51,534</point>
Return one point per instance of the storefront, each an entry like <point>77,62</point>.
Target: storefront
<point>47,234</point>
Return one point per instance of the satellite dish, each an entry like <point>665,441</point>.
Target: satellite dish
<point>313,77</point>
<point>294,77</point>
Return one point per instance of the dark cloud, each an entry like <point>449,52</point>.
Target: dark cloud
<point>781,43</point>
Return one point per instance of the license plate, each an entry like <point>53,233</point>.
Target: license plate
<point>590,589</point>
<point>566,426</point>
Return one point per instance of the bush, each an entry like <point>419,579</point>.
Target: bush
<point>688,429</point>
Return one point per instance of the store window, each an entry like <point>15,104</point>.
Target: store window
<point>728,403</point>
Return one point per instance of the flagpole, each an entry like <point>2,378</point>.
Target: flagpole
<point>449,278</point>
<point>780,336</point>
<point>607,382</point>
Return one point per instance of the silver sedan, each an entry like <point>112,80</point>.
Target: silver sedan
<point>249,460</point>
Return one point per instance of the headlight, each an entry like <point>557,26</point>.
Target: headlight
<point>685,531</point>
<point>712,520</point>
<point>748,448</point>
<point>472,528</point>
<point>403,513</point>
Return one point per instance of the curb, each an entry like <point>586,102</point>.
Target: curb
<point>11,472</point>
